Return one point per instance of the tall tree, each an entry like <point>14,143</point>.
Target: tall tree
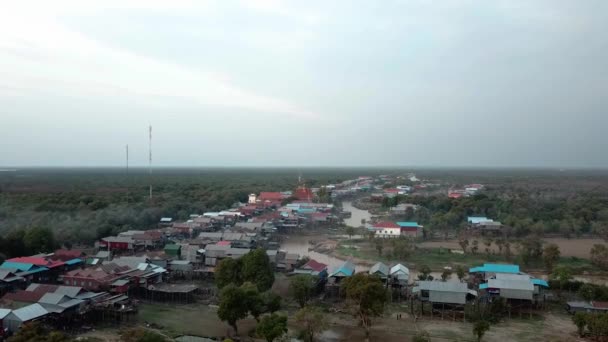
<point>460,272</point>
<point>366,296</point>
<point>232,305</point>
<point>258,269</point>
<point>446,274</point>
<point>301,288</point>
<point>551,255</point>
<point>599,256</point>
<point>272,326</point>
<point>312,320</point>
<point>227,272</point>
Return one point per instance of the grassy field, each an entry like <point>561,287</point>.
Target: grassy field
<point>201,320</point>
<point>437,258</point>
<point>192,319</point>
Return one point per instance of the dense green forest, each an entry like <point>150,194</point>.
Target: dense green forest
<point>80,205</point>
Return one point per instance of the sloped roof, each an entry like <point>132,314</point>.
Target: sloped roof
<point>346,270</point>
<point>67,254</point>
<point>314,265</point>
<point>53,298</point>
<point>386,224</point>
<point>380,268</point>
<point>30,312</point>
<point>24,296</point>
<point>399,268</point>
<point>23,267</point>
<point>4,313</point>
<point>599,305</point>
<point>443,286</point>
<point>525,285</point>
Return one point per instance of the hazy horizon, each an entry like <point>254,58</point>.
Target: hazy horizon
<point>270,83</point>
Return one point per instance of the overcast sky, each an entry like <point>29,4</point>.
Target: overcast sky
<point>305,83</point>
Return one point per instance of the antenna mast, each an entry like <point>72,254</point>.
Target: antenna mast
<point>127,150</point>
<point>150,160</point>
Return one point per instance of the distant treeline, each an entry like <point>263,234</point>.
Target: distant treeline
<point>85,204</point>
<point>81,205</point>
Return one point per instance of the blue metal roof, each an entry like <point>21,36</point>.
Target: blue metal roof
<point>495,268</point>
<point>483,286</point>
<point>73,262</point>
<point>540,282</point>
<point>408,224</point>
<point>23,267</point>
<point>346,270</point>
<point>35,270</point>
<point>305,211</point>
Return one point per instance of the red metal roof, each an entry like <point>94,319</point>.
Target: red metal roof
<point>392,190</point>
<point>67,254</point>
<point>315,265</point>
<point>271,196</point>
<point>599,305</point>
<point>24,296</point>
<point>386,224</point>
<point>223,243</point>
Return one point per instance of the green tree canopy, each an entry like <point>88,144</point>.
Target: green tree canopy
<point>366,296</point>
<point>272,326</point>
<point>228,271</point>
<point>301,287</point>
<point>312,320</point>
<point>233,305</point>
<point>256,268</point>
<point>551,255</point>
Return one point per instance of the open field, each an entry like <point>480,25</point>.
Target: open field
<point>578,248</point>
<point>438,257</point>
<point>202,320</point>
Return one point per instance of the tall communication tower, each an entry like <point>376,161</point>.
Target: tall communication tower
<point>127,170</point>
<point>150,160</point>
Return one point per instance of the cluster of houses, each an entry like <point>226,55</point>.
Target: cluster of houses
<point>62,286</point>
<point>466,191</point>
<point>486,283</point>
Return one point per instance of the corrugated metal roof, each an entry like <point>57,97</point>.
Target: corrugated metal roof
<point>4,312</point>
<point>346,270</point>
<point>379,268</point>
<point>443,286</point>
<point>73,262</point>
<point>30,312</point>
<point>408,224</point>
<point>495,268</point>
<point>512,276</point>
<point>53,298</point>
<point>399,269</point>
<point>510,284</point>
<point>540,282</point>
<point>17,265</point>
<point>71,291</point>
<point>447,297</point>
